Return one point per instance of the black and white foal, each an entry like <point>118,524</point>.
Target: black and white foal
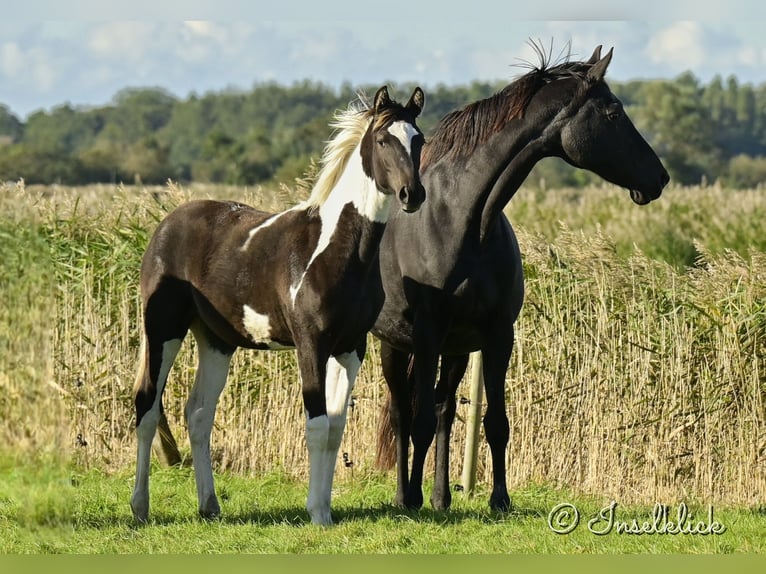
<point>238,277</point>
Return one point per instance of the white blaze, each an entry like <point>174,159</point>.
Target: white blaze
<point>404,132</point>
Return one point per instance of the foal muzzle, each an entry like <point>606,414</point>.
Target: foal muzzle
<point>411,198</point>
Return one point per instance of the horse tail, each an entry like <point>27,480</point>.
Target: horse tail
<point>164,445</point>
<point>385,453</point>
<point>141,367</point>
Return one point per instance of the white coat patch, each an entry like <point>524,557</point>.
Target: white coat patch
<point>352,187</point>
<point>259,328</point>
<point>404,132</point>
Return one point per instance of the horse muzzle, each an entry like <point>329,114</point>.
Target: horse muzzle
<point>643,197</point>
<point>411,198</point>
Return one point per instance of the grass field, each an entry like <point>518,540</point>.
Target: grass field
<point>638,376</point>
<point>50,507</point>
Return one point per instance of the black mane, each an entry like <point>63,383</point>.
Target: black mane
<point>461,131</point>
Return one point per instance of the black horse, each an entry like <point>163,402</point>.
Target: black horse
<point>452,272</point>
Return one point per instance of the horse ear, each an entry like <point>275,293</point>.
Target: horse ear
<point>596,56</point>
<point>417,101</point>
<point>381,98</point>
<point>598,70</point>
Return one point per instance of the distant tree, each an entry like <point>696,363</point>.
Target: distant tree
<point>679,127</point>
<point>744,172</point>
<point>66,127</point>
<point>140,112</point>
<point>11,128</point>
<point>49,164</point>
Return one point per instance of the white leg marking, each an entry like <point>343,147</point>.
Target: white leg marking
<point>200,412</point>
<point>326,437</point>
<point>145,431</point>
<point>404,132</point>
<point>318,504</point>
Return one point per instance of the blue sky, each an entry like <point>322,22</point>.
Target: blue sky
<point>83,53</point>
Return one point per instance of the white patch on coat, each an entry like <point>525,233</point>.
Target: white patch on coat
<point>270,221</point>
<point>354,187</point>
<point>259,328</point>
<point>404,132</point>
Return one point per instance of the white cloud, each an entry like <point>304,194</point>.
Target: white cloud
<point>30,68</point>
<point>680,46</point>
<point>11,59</point>
<point>122,41</point>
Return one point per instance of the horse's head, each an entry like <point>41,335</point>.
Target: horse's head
<point>391,148</point>
<point>594,132</point>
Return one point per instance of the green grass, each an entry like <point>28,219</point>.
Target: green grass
<point>49,506</point>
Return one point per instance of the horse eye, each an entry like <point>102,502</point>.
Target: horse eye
<point>614,112</point>
<point>382,143</point>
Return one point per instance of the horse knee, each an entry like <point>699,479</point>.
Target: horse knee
<point>496,428</point>
<point>423,430</point>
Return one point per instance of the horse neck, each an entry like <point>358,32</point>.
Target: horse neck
<point>486,181</point>
<point>525,146</point>
<point>355,187</point>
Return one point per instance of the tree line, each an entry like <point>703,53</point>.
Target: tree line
<point>271,133</point>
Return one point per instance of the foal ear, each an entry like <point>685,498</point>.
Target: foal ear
<point>381,99</point>
<point>596,56</point>
<point>417,101</point>
<point>597,70</point>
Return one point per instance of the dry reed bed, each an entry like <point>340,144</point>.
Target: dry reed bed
<point>630,379</point>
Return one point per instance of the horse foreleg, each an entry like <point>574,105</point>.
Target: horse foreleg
<point>394,364</point>
<point>157,358</point>
<point>312,366</point>
<point>452,371</point>
<point>424,417</point>
<point>200,407</point>
<point>340,375</point>
<point>495,358</point>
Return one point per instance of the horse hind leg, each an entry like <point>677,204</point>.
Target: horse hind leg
<point>452,371</point>
<point>156,360</point>
<point>212,370</point>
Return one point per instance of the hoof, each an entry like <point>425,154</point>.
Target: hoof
<point>413,500</point>
<point>140,510</point>
<point>322,519</point>
<point>211,510</point>
<point>500,502</point>
<point>320,515</point>
<point>441,502</point>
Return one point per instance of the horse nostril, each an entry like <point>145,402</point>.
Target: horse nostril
<point>404,195</point>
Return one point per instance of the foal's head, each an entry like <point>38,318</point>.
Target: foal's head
<point>391,148</point>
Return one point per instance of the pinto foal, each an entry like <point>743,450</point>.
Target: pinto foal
<point>238,277</point>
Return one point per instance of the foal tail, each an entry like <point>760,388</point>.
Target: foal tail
<point>385,453</point>
<point>164,445</point>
